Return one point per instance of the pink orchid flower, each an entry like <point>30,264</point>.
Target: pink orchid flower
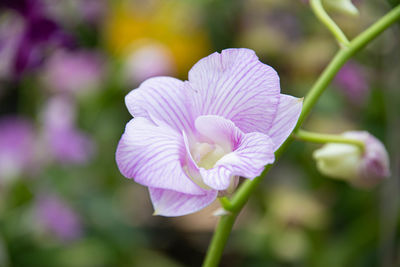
<point>189,141</point>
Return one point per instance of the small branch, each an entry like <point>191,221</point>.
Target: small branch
<point>341,57</point>
<point>326,138</point>
<point>225,203</point>
<point>321,14</point>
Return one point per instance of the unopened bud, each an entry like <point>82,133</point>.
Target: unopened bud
<point>343,6</point>
<point>348,162</point>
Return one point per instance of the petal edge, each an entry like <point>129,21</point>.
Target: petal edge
<point>170,203</point>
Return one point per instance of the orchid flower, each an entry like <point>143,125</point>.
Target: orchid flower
<point>189,141</point>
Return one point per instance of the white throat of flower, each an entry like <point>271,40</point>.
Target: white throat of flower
<point>206,155</point>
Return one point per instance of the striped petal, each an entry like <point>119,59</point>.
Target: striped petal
<point>152,155</point>
<point>218,130</point>
<point>161,99</point>
<point>171,203</point>
<point>236,86</point>
<point>287,115</point>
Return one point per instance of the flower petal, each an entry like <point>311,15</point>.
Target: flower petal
<point>288,113</point>
<point>172,203</point>
<point>236,86</point>
<point>250,152</point>
<point>152,156</point>
<point>163,99</point>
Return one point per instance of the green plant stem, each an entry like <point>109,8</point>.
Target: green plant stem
<point>321,14</point>
<point>225,203</point>
<point>219,239</point>
<point>243,193</point>
<point>326,138</point>
<point>342,56</point>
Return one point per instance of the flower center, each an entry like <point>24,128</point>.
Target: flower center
<point>206,155</point>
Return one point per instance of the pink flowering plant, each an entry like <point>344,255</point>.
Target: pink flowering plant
<point>260,136</point>
<point>189,142</point>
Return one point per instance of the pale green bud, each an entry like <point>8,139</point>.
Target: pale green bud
<point>343,6</point>
<point>348,162</point>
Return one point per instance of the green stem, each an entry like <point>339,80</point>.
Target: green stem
<point>326,138</point>
<point>219,240</point>
<point>225,203</point>
<point>321,14</point>
<point>247,188</point>
<point>342,56</point>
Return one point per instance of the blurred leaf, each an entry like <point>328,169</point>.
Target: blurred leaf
<point>88,253</point>
<point>149,258</point>
<point>222,21</point>
<point>394,3</point>
<point>3,254</point>
<point>20,195</point>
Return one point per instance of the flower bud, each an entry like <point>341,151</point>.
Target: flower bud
<point>342,6</point>
<point>348,162</point>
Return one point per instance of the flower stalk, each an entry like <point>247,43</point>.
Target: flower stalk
<point>225,203</point>
<point>243,193</point>
<point>321,14</point>
<point>326,138</point>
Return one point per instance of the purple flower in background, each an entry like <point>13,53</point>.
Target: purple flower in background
<point>11,29</point>
<point>73,72</point>
<point>353,82</point>
<point>66,143</point>
<point>77,11</point>
<point>362,168</point>
<point>27,8</point>
<point>93,10</point>
<point>190,141</point>
<point>16,147</point>
<point>58,218</point>
<point>39,34</point>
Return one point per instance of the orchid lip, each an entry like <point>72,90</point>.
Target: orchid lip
<point>204,155</point>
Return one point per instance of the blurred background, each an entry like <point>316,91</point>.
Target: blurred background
<point>65,67</point>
